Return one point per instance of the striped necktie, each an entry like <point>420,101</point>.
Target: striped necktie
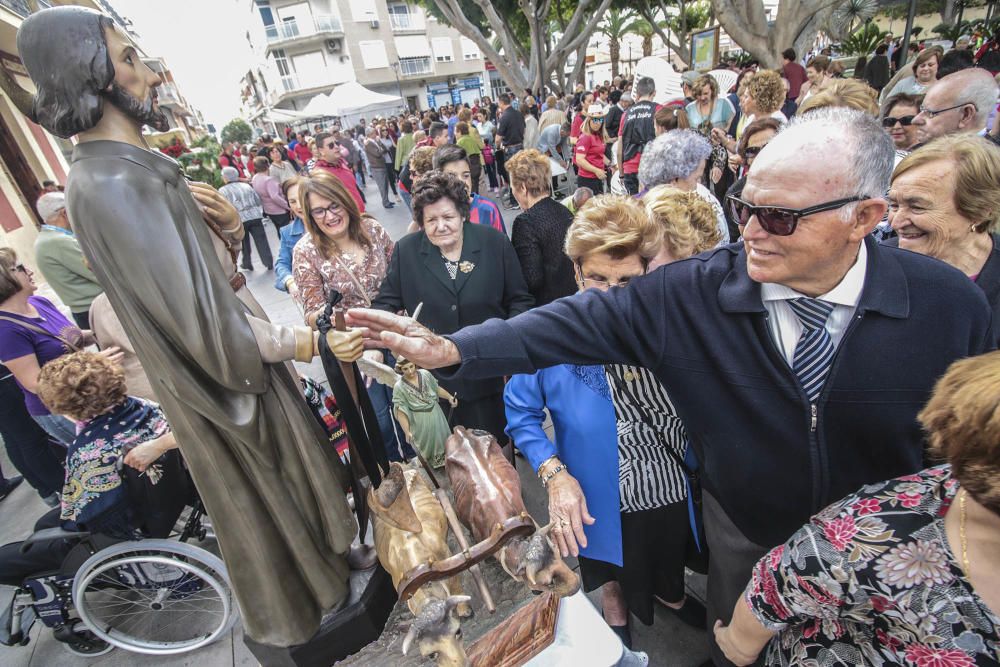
<point>814,351</point>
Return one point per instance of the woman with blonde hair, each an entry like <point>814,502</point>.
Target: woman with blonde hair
<point>348,252</point>
<point>615,471</point>
<point>850,93</point>
<point>818,75</point>
<point>688,223</point>
<point>708,111</point>
<point>539,231</point>
<point>899,572</point>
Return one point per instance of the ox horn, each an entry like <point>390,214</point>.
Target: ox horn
<point>531,571</point>
<point>408,640</point>
<point>455,600</point>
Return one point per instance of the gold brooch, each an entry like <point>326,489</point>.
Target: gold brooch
<point>629,376</point>
<point>466,267</point>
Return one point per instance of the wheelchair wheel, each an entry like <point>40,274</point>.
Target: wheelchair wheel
<point>155,597</point>
<point>84,644</point>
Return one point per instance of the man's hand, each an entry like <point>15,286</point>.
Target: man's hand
<point>568,512</point>
<point>405,337</point>
<point>214,207</point>
<point>729,645</point>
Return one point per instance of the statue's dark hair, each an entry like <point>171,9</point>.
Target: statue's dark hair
<point>66,54</point>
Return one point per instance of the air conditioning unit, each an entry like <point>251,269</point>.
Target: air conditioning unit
<point>374,24</point>
<point>334,45</point>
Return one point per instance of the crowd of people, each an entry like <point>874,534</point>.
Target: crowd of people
<point>743,310</point>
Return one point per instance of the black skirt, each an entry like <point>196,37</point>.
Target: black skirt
<point>654,546</point>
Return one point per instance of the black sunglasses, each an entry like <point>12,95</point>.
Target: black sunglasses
<point>890,121</point>
<point>779,220</point>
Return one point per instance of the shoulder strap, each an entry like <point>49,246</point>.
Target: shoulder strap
<point>73,347</point>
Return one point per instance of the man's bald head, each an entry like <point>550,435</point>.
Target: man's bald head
<point>963,102</point>
<point>856,153</point>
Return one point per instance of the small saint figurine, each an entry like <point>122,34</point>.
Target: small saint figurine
<point>415,394</point>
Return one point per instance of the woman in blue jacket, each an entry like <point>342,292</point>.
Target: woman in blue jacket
<point>289,236</point>
<point>614,475</point>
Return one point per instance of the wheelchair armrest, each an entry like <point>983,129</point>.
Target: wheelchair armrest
<point>50,535</point>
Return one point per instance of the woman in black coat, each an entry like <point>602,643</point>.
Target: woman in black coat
<point>463,274</point>
<point>539,232</point>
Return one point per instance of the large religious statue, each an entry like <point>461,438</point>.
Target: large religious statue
<point>274,491</point>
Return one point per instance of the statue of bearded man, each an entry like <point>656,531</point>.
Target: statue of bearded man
<point>274,489</point>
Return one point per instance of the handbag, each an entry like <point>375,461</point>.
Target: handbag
<point>689,465</point>
<point>70,346</point>
<point>487,154</point>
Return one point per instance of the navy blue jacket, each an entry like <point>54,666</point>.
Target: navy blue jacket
<point>701,326</point>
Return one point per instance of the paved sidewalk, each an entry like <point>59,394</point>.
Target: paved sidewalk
<point>668,641</point>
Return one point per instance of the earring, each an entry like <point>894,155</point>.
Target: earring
<point>973,229</point>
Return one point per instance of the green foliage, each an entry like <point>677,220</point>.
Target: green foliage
<point>237,130</point>
<point>952,32</point>
<point>900,10</point>
<point>864,40</point>
<point>202,163</point>
<point>740,57</point>
<point>697,15</point>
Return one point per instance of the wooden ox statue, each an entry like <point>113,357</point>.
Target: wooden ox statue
<point>411,530</point>
<point>487,491</point>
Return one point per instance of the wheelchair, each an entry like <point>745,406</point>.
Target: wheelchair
<point>150,596</point>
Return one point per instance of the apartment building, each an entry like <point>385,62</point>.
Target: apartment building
<point>28,154</point>
<point>180,113</point>
<point>304,48</point>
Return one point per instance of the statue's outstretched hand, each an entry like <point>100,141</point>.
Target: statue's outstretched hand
<point>347,345</point>
<point>405,337</point>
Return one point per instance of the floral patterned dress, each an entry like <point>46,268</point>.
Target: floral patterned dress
<point>871,580</point>
<point>316,275</point>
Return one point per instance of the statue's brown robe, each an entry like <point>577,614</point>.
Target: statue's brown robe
<point>272,486</point>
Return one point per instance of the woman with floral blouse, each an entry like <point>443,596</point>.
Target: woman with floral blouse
<point>902,572</point>
<point>346,251</point>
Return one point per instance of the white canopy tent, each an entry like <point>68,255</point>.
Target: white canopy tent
<point>355,101</point>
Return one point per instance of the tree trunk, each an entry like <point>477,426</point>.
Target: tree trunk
<point>580,68</point>
<point>948,12</point>
<point>647,45</point>
<point>614,49</point>
<point>796,24</point>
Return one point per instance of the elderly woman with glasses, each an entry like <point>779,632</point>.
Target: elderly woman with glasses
<point>944,201</point>
<point>463,273</point>
<point>33,332</point>
<point>615,471</point>
<point>678,158</point>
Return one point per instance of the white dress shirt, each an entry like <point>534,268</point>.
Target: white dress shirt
<point>785,327</point>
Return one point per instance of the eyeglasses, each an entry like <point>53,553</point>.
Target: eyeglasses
<point>603,284</point>
<point>752,151</point>
<point>905,121</point>
<point>21,267</point>
<point>321,213</point>
<point>779,220</point>
<point>931,113</point>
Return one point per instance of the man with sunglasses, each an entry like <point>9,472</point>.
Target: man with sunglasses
<point>820,345</point>
<point>959,102</point>
<point>332,160</point>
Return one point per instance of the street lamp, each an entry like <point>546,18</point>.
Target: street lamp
<point>399,88</point>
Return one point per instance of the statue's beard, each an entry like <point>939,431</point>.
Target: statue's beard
<point>141,111</point>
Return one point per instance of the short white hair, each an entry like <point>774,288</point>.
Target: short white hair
<point>671,156</point>
<point>870,151</point>
<point>50,205</point>
<point>974,86</point>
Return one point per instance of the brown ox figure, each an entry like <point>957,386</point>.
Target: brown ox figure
<point>487,491</point>
<point>411,530</point>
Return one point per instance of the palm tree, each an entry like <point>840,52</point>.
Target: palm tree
<point>615,27</point>
<point>645,29</point>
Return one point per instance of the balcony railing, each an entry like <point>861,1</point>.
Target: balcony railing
<point>290,82</point>
<point>286,30</point>
<point>19,7</point>
<point>414,66</point>
<point>407,22</point>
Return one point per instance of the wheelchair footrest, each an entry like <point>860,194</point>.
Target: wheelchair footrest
<point>21,635</point>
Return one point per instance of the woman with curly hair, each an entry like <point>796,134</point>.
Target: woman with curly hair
<point>900,572</point>
<point>688,223</point>
<point>463,274</point>
<point>112,426</point>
